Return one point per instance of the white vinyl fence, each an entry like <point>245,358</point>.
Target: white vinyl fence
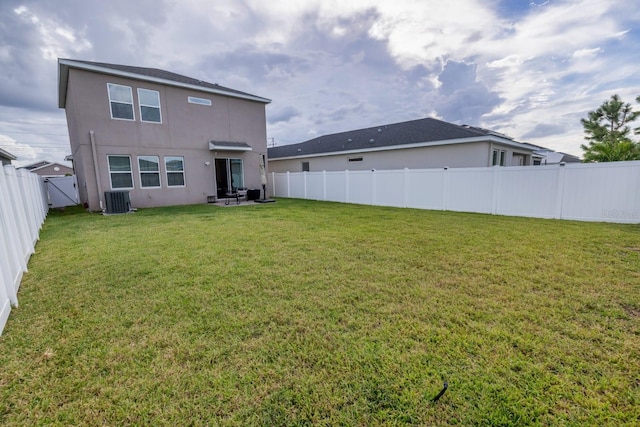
<point>62,191</point>
<point>608,192</point>
<point>23,209</point>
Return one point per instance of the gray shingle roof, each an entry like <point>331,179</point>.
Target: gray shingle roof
<point>150,74</point>
<point>404,133</point>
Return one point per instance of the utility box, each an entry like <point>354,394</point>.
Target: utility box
<point>117,202</point>
<point>253,194</point>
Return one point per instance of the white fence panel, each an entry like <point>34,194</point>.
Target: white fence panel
<point>23,208</point>
<point>425,188</point>
<point>528,191</point>
<point>602,192</point>
<point>315,186</point>
<point>336,186</point>
<point>390,188</point>
<point>280,185</point>
<point>62,191</point>
<point>607,192</point>
<point>297,185</point>
<point>360,187</point>
<point>469,190</point>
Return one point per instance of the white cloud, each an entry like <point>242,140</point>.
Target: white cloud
<point>586,53</point>
<point>25,153</point>
<point>57,40</point>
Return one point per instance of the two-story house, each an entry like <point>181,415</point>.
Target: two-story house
<point>165,138</point>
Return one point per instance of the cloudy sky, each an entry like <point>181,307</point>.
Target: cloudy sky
<point>530,69</point>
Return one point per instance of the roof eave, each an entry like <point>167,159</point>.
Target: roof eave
<point>487,138</point>
<point>7,155</point>
<point>63,73</point>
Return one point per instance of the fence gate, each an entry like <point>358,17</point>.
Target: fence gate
<point>62,191</point>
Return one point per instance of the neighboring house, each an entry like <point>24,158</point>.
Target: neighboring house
<point>49,169</point>
<point>416,144</point>
<point>6,157</point>
<point>165,138</point>
<point>549,157</point>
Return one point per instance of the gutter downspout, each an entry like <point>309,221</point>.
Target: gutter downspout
<point>94,155</point>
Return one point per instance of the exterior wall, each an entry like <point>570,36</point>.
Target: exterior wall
<point>474,154</point>
<point>186,130</point>
<point>50,170</point>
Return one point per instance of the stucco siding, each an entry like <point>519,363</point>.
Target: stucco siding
<point>185,131</point>
<point>461,155</point>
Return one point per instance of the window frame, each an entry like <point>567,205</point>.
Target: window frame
<point>498,157</point>
<point>111,102</point>
<point>111,172</point>
<point>305,167</point>
<point>199,101</point>
<point>140,105</point>
<point>167,171</point>
<point>145,172</point>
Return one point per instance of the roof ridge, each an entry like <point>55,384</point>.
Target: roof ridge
<point>158,75</point>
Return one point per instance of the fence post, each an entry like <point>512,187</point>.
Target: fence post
<point>495,196</point>
<point>324,185</point>
<point>445,188</point>
<point>304,182</point>
<point>288,185</point>
<point>346,185</point>
<point>374,187</point>
<point>560,192</point>
<point>273,183</point>
<point>405,188</point>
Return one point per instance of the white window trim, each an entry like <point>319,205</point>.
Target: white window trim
<point>199,101</point>
<point>498,157</point>
<point>120,172</point>
<point>133,110</point>
<point>141,172</point>
<point>167,172</point>
<point>140,105</point>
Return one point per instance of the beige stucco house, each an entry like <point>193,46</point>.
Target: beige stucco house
<point>417,144</point>
<point>164,138</point>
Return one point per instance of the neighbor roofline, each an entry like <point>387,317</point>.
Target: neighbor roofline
<point>7,155</point>
<point>65,64</point>
<point>486,138</point>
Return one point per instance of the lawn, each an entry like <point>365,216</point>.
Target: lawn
<point>312,313</point>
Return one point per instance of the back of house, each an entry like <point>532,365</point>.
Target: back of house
<point>165,138</point>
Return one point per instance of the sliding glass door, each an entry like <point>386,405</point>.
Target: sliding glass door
<point>229,175</point>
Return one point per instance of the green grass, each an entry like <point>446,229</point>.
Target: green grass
<point>310,313</point>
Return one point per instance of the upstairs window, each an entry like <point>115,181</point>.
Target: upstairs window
<point>121,101</point>
<point>199,101</point>
<point>149,171</point>
<point>120,172</point>
<point>175,171</point>
<point>149,101</point>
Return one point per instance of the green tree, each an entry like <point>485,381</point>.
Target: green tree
<point>608,133</point>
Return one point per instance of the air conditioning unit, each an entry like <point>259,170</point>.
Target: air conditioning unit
<point>117,202</point>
